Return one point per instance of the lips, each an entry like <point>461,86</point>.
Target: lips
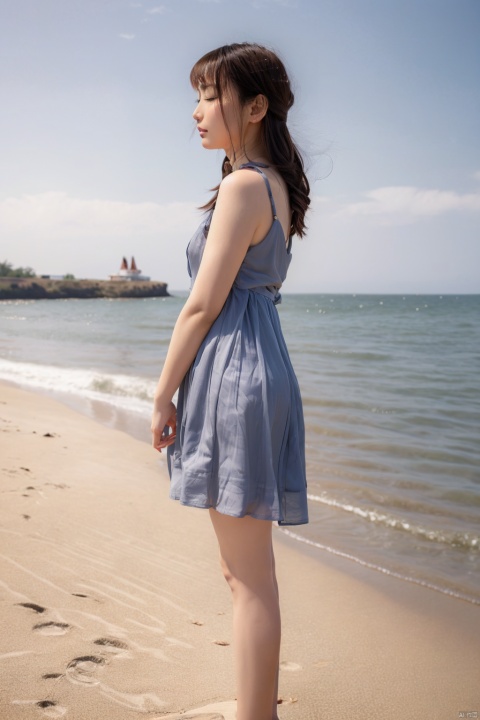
<point>201,130</point>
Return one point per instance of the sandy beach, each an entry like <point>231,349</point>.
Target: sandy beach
<point>114,607</point>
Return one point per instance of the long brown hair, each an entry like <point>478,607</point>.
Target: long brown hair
<point>255,70</point>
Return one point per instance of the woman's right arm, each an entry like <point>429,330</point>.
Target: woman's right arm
<point>237,214</point>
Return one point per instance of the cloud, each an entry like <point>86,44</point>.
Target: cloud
<point>157,10</point>
<point>283,3</point>
<point>55,233</point>
<point>126,36</point>
<point>405,204</point>
<point>57,215</point>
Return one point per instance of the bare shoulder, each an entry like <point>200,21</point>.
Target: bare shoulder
<point>243,200</point>
<point>241,185</point>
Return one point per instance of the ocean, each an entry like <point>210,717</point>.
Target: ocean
<point>391,392</point>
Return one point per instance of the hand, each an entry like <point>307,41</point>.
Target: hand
<point>164,415</point>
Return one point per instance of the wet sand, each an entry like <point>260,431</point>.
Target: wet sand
<point>114,607</point>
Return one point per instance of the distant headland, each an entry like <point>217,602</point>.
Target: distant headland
<point>23,284</point>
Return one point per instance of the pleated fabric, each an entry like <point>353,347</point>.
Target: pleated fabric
<point>240,445</point>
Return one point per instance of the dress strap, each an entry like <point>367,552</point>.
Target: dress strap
<point>258,167</point>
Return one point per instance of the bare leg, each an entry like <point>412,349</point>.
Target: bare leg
<point>275,694</point>
<point>246,559</point>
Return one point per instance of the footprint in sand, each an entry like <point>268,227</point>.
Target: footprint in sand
<point>52,628</point>
<point>51,709</point>
<point>33,606</point>
<point>214,711</point>
<point>81,670</point>
<point>290,666</point>
<point>112,645</point>
<point>203,716</point>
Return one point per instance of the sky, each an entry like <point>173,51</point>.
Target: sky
<point>99,156</point>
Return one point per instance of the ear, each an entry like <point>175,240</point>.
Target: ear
<point>258,108</point>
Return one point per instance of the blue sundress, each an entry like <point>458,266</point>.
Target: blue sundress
<point>240,445</point>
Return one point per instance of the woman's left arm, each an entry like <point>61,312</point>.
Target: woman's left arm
<point>234,222</point>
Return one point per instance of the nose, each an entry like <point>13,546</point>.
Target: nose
<point>196,113</point>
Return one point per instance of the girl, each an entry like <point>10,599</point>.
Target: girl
<point>236,441</point>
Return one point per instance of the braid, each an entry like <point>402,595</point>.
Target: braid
<point>288,161</point>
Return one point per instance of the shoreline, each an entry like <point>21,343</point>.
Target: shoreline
<point>136,426</point>
<point>135,613</point>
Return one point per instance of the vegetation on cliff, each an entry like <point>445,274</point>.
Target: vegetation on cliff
<point>35,288</point>
<point>7,270</point>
